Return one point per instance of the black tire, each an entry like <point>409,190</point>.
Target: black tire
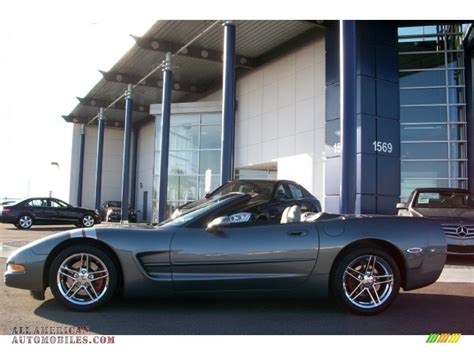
<point>87,221</point>
<point>16,225</point>
<point>25,221</point>
<point>371,286</point>
<point>84,301</point>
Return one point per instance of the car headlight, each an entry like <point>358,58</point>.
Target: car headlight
<point>12,267</point>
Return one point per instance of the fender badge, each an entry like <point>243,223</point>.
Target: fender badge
<point>415,250</point>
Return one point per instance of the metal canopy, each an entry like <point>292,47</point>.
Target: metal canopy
<point>197,72</point>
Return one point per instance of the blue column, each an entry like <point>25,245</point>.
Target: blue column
<point>348,109</point>
<point>100,151</point>
<point>127,136</point>
<point>165,137</point>
<point>133,186</point>
<point>82,144</point>
<point>228,104</point>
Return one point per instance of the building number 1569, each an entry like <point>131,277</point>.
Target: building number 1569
<point>383,147</point>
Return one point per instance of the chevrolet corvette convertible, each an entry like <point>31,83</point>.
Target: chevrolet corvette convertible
<point>220,249</point>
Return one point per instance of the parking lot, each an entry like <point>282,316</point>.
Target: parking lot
<point>446,306</point>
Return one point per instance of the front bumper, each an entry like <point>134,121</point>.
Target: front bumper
<point>30,279</point>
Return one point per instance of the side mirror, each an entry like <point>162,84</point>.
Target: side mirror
<point>225,221</point>
<point>401,206</point>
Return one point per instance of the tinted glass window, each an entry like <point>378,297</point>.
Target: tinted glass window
<point>296,192</point>
<point>38,203</point>
<point>444,200</point>
<point>280,193</point>
<point>57,204</point>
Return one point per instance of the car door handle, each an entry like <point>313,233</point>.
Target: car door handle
<point>297,233</point>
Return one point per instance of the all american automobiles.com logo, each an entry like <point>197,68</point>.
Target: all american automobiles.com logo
<point>58,335</point>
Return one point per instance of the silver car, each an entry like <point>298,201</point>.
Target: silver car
<point>221,249</point>
<point>452,208</point>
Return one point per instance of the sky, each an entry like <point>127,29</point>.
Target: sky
<point>49,55</point>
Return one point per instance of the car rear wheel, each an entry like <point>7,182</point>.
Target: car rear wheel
<point>87,221</point>
<point>25,222</point>
<point>83,277</point>
<point>366,281</point>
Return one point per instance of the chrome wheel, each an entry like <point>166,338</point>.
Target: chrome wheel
<point>88,221</point>
<point>25,222</point>
<point>83,279</point>
<point>368,281</point>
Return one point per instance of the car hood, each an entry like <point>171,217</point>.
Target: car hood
<point>445,213</point>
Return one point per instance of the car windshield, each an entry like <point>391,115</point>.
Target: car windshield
<point>114,204</point>
<point>445,199</point>
<point>263,188</point>
<point>199,211</point>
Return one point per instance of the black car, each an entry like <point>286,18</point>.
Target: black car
<point>273,196</point>
<point>111,211</point>
<point>46,210</point>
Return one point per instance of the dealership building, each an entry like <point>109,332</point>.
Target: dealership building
<point>358,112</point>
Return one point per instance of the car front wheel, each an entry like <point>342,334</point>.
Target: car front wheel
<point>87,221</point>
<point>83,277</point>
<point>24,222</point>
<point>366,281</point>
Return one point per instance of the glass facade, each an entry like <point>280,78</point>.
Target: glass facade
<point>432,108</point>
<point>194,151</point>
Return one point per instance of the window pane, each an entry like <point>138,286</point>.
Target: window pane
<point>424,151</point>
<point>424,169</point>
<point>295,191</point>
<point>209,159</point>
<point>211,118</point>
<point>423,78</point>
<point>456,95</point>
<point>457,113</point>
<point>210,137</point>
<point>183,188</point>
<point>459,169</point>
<point>457,132</point>
<point>458,151</point>
<point>422,96</point>
<point>423,114</point>
<point>424,133</point>
<point>455,60</point>
<point>180,120</point>
<point>426,44</point>
<point>183,162</point>
<point>184,137</point>
<point>455,77</point>
<point>215,182</point>
<point>422,61</point>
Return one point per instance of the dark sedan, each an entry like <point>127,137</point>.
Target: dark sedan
<point>45,210</point>
<point>452,208</point>
<point>273,195</point>
<point>111,211</point>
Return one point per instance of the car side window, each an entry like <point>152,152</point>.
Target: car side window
<point>280,193</point>
<point>57,204</point>
<point>296,192</point>
<point>37,203</point>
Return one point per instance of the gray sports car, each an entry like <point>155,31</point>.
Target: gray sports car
<point>221,249</point>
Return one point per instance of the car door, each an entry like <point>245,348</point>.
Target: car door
<point>64,212</point>
<point>39,208</point>
<point>246,257</point>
